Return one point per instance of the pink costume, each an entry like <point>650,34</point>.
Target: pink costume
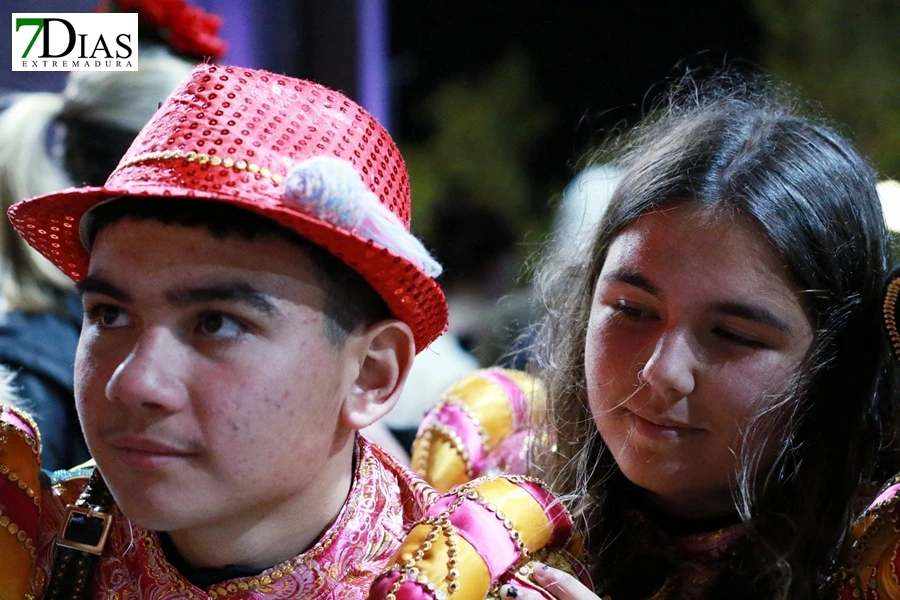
<point>383,503</point>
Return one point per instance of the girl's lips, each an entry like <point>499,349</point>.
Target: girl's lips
<point>661,429</point>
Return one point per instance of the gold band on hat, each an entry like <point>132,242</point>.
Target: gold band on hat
<point>204,159</point>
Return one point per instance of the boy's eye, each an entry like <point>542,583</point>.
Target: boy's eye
<point>108,316</point>
<point>216,324</point>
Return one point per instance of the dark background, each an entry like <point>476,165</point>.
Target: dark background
<point>593,62</point>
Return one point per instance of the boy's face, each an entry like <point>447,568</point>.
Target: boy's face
<point>207,388</point>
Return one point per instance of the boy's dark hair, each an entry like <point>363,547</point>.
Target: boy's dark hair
<point>349,301</point>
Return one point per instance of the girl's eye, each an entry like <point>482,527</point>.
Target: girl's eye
<point>633,312</point>
<point>218,325</point>
<point>737,338</point>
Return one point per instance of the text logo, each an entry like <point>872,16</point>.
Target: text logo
<point>74,42</point>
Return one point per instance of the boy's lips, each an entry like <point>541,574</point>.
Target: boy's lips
<point>143,451</point>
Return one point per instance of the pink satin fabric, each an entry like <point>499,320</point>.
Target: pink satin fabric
<point>517,398</point>
<point>462,424</point>
<point>483,530</point>
<point>408,590</point>
<point>553,508</point>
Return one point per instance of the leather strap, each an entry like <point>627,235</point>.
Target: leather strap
<point>80,542</point>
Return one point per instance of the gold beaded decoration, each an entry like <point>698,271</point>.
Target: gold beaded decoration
<point>857,572</point>
<point>33,442</point>
<point>409,566</point>
<point>890,314</point>
<point>20,456</point>
<point>461,404</point>
<point>426,440</point>
<point>205,159</point>
<point>21,537</point>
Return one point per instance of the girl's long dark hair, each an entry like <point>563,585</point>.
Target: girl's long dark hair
<point>745,149</point>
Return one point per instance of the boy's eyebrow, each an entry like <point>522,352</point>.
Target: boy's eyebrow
<point>99,285</point>
<point>230,292</point>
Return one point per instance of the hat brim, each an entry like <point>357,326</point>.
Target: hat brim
<point>50,224</point>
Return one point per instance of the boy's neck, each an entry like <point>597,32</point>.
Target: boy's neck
<point>202,577</point>
<point>276,533</point>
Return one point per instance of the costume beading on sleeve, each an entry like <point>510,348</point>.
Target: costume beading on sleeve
<point>870,564</point>
<point>480,426</point>
<point>475,537</point>
<point>484,531</point>
<point>20,502</point>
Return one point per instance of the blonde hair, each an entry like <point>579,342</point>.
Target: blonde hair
<point>30,166</point>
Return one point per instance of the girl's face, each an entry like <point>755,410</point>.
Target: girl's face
<point>694,329</point>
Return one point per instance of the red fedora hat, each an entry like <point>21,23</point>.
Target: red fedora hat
<point>296,152</point>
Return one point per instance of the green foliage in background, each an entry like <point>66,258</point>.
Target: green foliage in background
<point>484,130</point>
<point>844,54</point>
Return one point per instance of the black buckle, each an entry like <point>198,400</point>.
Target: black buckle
<point>84,529</point>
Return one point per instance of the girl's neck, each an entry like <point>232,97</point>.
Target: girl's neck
<point>675,524</point>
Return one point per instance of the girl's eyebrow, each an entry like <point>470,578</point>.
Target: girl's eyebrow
<point>632,278</point>
<point>752,312</point>
<point>742,310</point>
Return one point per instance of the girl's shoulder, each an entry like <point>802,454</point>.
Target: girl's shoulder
<point>870,564</point>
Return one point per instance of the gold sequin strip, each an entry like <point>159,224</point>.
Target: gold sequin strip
<point>13,528</point>
<point>460,403</point>
<point>202,158</point>
<point>14,478</point>
<point>890,314</point>
<point>423,448</point>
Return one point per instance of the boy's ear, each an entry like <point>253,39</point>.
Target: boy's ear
<point>385,351</point>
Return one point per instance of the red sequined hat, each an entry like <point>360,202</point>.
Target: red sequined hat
<point>293,151</point>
